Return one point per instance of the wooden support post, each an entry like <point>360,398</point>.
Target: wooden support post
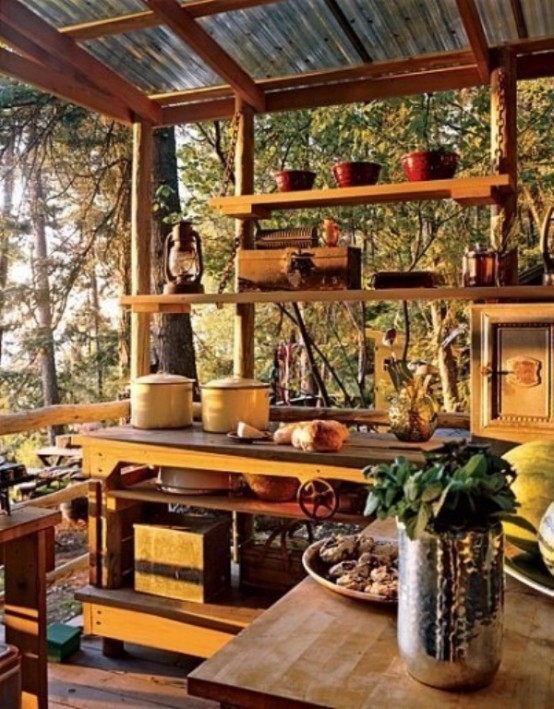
<point>25,613</point>
<point>141,235</point>
<point>504,154</point>
<point>244,232</point>
<point>95,532</point>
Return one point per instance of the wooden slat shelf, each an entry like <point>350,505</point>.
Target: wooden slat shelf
<point>490,189</point>
<point>147,491</point>
<point>231,612</point>
<point>180,303</point>
<point>199,629</point>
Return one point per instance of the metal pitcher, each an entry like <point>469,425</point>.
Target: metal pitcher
<point>450,609</point>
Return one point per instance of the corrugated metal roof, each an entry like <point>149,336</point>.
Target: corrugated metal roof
<point>291,36</point>
<point>498,20</point>
<point>393,30</point>
<point>539,17</point>
<point>69,12</point>
<point>286,38</point>
<point>155,60</point>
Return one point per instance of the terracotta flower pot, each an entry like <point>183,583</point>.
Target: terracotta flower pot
<point>352,174</point>
<point>429,165</point>
<point>293,180</point>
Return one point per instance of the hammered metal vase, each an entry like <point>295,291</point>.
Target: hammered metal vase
<point>412,418</point>
<point>450,609</point>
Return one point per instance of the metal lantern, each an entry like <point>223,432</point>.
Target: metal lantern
<point>183,266</point>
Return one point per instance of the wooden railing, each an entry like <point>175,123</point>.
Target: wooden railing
<point>66,414</point>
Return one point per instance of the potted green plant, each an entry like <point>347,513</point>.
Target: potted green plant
<point>449,512</point>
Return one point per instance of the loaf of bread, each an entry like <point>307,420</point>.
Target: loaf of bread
<point>322,436</point>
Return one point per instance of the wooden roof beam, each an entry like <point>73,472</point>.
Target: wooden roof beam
<point>361,71</point>
<point>136,21</point>
<point>333,94</point>
<point>29,25</point>
<point>185,27</point>
<point>54,82</point>
<point>476,36</point>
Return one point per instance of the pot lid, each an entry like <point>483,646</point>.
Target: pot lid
<point>163,378</point>
<point>235,382</point>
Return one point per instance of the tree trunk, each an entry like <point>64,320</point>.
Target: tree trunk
<point>97,320</point>
<point>446,362</point>
<point>5,231</point>
<point>46,349</point>
<point>173,339</point>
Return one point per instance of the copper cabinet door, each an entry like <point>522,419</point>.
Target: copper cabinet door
<point>511,378</point>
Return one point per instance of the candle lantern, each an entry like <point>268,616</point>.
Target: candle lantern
<point>183,266</point>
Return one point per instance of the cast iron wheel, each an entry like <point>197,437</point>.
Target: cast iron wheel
<point>317,499</point>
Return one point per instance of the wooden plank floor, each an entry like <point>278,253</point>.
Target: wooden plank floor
<point>144,678</point>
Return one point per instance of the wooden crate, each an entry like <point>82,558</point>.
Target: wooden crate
<point>270,566</point>
<point>190,562</point>
<point>322,268</point>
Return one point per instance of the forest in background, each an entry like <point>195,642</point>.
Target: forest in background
<point>64,243</point>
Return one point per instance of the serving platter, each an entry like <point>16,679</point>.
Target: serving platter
<point>317,569</point>
<point>530,570</point>
<point>234,436</point>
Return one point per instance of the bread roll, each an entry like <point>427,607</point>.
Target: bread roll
<point>322,436</point>
<point>312,435</point>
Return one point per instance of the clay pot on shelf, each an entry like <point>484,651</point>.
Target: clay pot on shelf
<point>424,165</point>
<point>293,180</point>
<point>353,174</point>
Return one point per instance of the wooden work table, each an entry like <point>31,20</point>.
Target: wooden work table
<point>24,538</point>
<point>118,499</point>
<point>314,648</point>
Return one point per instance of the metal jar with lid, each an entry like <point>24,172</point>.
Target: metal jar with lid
<point>161,401</point>
<point>227,401</point>
<point>479,267</point>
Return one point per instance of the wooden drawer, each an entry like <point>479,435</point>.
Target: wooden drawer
<point>512,365</point>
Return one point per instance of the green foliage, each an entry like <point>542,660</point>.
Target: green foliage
<point>458,488</point>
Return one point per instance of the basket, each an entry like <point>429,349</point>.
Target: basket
<point>275,564</point>
<point>294,238</point>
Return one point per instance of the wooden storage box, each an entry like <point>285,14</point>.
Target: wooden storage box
<point>322,268</point>
<point>190,562</point>
<point>270,566</point>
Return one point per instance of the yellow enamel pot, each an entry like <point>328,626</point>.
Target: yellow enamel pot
<point>161,401</point>
<point>227,401</point>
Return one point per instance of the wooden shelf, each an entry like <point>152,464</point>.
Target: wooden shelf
<point>180,303</point>
<point>147,491</point>
<point>490,189</point>
<point>199,629</point>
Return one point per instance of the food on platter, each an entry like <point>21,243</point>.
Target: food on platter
<point>357,565</point>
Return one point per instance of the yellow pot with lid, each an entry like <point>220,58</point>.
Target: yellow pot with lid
<point>161,401</point>
<point>227,401</point>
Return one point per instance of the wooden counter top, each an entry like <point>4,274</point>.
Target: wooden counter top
<point>314,648</point>
<point>195,449</point>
